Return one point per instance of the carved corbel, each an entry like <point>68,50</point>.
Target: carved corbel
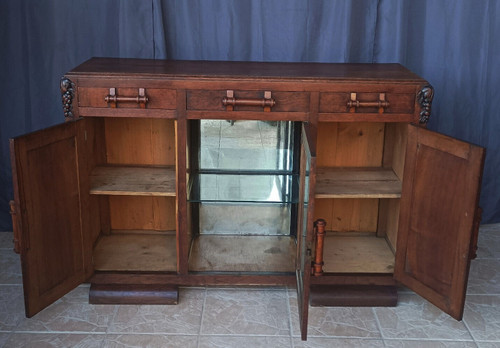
<point>67,94</point>
<point>424,97</point>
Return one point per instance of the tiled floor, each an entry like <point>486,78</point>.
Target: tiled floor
<point>221,317</point>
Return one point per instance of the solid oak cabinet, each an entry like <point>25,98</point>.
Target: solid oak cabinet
<point>189,173</point>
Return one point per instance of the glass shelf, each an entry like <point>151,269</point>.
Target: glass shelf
<point>242,188</point>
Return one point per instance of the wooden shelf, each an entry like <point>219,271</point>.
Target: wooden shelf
<point>357,254</point>
<point>366,182</point>
<point>133,181</point>
<point>136,252</point>
<point>240,253</point>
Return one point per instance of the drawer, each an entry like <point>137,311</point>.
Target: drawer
<point>367,103</point>
<point>127,98</point>
<point>279,101</point>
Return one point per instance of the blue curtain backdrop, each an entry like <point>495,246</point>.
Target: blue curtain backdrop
<point>453,44</point>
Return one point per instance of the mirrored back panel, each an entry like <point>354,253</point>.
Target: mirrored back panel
<point>244,172</point>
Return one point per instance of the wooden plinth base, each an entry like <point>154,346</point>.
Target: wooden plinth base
<point>353,296</point>
<point>133,294</point>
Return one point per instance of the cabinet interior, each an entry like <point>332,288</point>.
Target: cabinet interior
<point>242,183</point>
<point>358,188</point>
<point>134,185</point>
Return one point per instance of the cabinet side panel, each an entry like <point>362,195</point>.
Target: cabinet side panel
<point>95,219</point>
<point>389,220</point>
<point>396,135</point>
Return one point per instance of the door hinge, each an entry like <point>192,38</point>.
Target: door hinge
<point>15,227</point>
<point>475,233</point>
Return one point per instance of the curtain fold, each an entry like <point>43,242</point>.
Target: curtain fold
<point>270,30</point>
<point>42,40</point>
<point>453,44</point>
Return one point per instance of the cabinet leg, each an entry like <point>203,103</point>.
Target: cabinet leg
<point>133,294</point>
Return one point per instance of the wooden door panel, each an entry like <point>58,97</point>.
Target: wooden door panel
<point>305,224</point>
<point>439,200</point>
<point>47,194</point>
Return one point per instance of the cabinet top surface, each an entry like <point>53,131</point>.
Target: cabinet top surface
<point>261,70</point>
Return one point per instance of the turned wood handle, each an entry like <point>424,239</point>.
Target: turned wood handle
<point>319,230</point>
<point>141,98</point>
<point>381,103</point>
<point>230,101</point>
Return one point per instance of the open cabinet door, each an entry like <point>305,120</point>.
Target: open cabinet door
<point>45,167</point>
<point>305,224</point>
<point>442,178</point>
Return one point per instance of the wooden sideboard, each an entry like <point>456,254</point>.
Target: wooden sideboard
<point>197,173</point>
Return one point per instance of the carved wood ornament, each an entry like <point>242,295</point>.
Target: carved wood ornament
<point>424,97</point>
<point>67,94</point>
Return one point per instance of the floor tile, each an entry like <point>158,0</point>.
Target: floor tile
<point>71,313</point>
<point>429,344</point>
<point>183,318</point>
<point>484,277</point>
<point>336,321</point>
<point>11,306</point>
<point>252,317</point>
<point>56,340</point>
<point>3,338</point>
<point>250,312</point>
<point>322,342</point>
<point>489,241</point>
<point>482,316</point>
<point>6,240</point>
<point>416,318</point>
<point>150,341</point>
<point>10,267</point>
<point>488,344</point>
<point>244,341</point>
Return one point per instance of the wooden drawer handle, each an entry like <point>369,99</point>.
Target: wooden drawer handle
<point>229,101</point>
<point>141,98</point>
<point>381,103</point>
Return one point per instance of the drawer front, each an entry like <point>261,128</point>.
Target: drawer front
<point>126,98</point>
<point>213,100</point>
<point>364,103</point>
